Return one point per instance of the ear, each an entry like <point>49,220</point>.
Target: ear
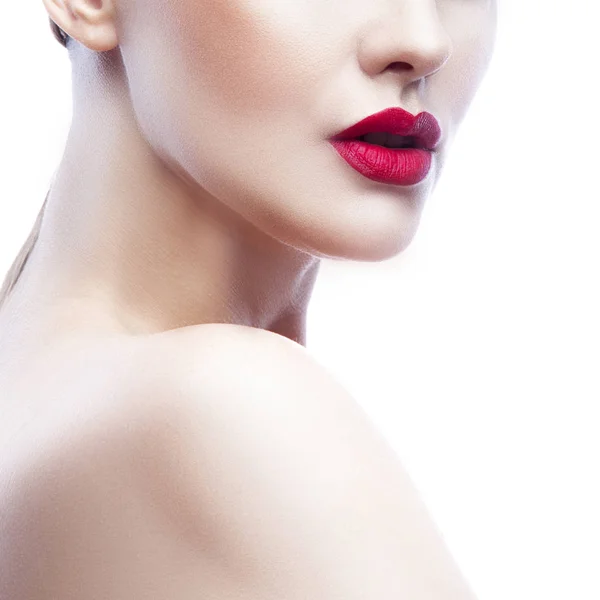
<point>90,22</point>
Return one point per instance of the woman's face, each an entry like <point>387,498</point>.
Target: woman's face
<point>245,95</point>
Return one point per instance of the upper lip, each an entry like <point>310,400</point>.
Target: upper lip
<point>424,127</point>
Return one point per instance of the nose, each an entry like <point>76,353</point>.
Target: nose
<point>411,41</point>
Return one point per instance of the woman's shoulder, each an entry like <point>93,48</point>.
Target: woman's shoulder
<point>131,395</point>
<point>234,358</point>
<point>140,420</point>
<point>111,383</point>
<point>219,372</point>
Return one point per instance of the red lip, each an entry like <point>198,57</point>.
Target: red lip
<point>424,127</point>
<point>399,166</point>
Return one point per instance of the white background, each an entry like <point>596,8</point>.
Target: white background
<point>476,350</point>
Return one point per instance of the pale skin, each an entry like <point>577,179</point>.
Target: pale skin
<point>164,432</point>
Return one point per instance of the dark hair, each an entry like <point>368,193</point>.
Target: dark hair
<point>59,34</point>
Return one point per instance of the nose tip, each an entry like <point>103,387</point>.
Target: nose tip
<point>414,46</point>
<point>423,59</point>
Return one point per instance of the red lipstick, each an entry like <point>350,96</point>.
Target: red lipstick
<point>399,166</point>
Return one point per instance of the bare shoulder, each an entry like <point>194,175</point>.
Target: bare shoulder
<point>281,460</point>
<point>120,462</point>
<point>129,404</point>
<point>244,357</point>
<point>125,397</point>
<point>216,458</point>
<point>219,361</point>
<point>223,348</point>
<point>276,459</point>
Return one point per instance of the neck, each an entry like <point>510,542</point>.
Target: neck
<point>129,241</point>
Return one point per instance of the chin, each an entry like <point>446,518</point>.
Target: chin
<point>371,249</point>
<point>373,239</point>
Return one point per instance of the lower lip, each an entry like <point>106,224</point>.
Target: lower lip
<point>398,166</point>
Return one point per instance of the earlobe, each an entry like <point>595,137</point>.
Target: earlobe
<point>90,22</point>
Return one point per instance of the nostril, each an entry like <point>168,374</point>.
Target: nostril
<point>400,66</point>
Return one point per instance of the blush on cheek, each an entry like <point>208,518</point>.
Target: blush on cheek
<point>228,48</point>
<point>249,54</point>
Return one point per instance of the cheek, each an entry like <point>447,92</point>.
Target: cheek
<point>234,53</point>
<point>247,54</point>
<point>221,47</point>
<point>200,69</point>
<point>211,78</point>
<point>225,88</point>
